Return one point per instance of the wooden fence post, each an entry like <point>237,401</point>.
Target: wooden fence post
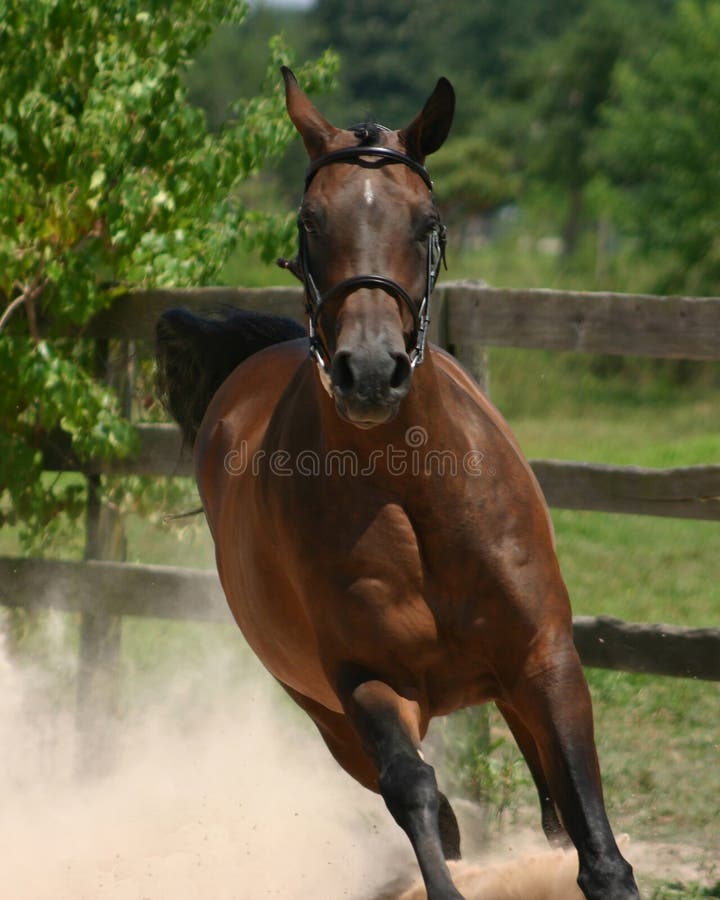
<point>99,650</point>
<point>100,632</point>
<point>473,356</point>
<point>475,360</point>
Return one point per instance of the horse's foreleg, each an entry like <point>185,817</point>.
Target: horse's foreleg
<point>551,825</point>
<point>388,726</point>
<point>553,702</point>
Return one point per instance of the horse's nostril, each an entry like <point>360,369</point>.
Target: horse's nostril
<point>373,376</point>
<point>342,375</point>
<point>401,373</point>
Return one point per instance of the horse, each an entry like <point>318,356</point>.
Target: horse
<point>381,540</point>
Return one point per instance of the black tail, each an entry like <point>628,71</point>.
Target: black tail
<point>195,355</point>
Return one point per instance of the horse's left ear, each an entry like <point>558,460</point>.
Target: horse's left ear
<point>428,130</point>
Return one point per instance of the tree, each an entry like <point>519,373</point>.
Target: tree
<point>661,148</point>
<point>570,80</point>
<point>562,86</point>
<point>474,176</point>
<point>393,50</point>
<point>108,176</point>
<point>233,63</point>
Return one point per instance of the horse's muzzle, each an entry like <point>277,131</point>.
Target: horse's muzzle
<point>368,384</point>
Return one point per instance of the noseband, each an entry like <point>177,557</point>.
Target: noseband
<point>315,301</point>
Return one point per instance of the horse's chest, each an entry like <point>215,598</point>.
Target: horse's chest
<point>369,553</point>
<point>372,585</point>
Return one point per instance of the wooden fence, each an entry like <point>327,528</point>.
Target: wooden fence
<point>468,317</point>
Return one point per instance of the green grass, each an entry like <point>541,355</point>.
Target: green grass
<point>687,891</point>
<point>656,741</point>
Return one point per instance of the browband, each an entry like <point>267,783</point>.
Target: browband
<point>356,154</point>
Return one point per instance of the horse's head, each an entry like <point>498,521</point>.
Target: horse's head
<point>371,243</point>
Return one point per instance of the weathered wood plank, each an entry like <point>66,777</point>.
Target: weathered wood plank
<point>134,315</point>
<point>161,452</point>
<point>608,643</point>
<point>691,492</point>
<point>624,324</point>
<point>619,324</point>
<point>121,589</point>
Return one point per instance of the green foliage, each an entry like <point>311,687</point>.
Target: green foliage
<point>662,148</point>
<point>474,175</point>
<point>480,766</point>
<point>233,64</point>
<point>393,50</point>
<point>109,176</point>
<point>561,86</point>
<point>568,80</point>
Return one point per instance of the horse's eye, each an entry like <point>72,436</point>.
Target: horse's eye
<point>426,228</point>
<point>308,222</point>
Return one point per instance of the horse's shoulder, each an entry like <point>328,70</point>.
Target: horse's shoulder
<point>456,379</point>
<point>496,430</point>
<point>273,365</point>
<point>258,382</point>
<point>243,404</point>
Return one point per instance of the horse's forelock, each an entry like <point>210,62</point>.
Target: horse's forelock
<point>369,134</point>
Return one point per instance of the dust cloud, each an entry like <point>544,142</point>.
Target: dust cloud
<point>228,802</point>
<point>545,875</point>
<point>216,794</point>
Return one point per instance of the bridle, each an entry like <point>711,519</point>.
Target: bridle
<point>315,301</point>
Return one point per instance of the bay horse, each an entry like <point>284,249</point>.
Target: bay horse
<point>381,540</point>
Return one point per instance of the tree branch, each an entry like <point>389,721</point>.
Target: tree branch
<point>28,296</point>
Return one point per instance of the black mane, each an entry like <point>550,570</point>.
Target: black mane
<point>195,354</point>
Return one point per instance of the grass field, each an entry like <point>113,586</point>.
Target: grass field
<point>659,739</point>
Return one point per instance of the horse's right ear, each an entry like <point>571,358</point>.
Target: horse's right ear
<point>314,129</point>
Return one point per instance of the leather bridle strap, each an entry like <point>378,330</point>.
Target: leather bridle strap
<point>370,157</point>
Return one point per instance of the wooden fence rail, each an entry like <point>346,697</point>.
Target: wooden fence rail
<point>691,492</point>
<point>195,595</point>
<point>467,312</point>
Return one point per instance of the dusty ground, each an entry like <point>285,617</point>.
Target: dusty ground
<point>230,802</point>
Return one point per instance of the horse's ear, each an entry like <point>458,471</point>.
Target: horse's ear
<point>428,130</point>
<point>314,129</point>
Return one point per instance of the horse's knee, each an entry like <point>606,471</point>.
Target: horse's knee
<point>409,789</point>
